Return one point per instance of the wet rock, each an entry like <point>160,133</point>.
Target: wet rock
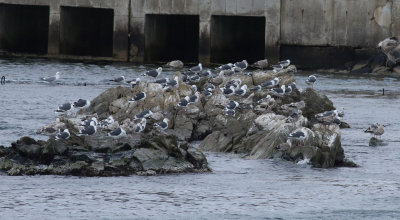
<point>374,142</point>
<point>315,103</point>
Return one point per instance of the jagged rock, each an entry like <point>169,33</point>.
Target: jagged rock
<point>315,103</point>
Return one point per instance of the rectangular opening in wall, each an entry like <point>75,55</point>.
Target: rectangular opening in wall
<point>171,37</point>
<point>236,38</point>
<point>314,57</point>
<point>86,31</point>
<point>24,28</point>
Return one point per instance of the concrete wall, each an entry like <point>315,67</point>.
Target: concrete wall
<point>313,23</point>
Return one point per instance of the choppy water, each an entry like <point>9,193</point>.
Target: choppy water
<point>237,189</point>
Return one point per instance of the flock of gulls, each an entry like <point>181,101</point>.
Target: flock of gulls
<point>190,77</point>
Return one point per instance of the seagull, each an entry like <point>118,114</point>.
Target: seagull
<point>242,65</point>
<point>288,90</point>
<point>193,88</point>
<point>162,81</point>
<point>141,126</point>
<point>242,91</point>
<point>261,64</point>
<point>284,63</point>
<point>294,116</point>
<point>63,135</point>
<point>376,129</point>
<point>299,135</point>
<point>118,132</point>
<point>228,91</point>
<point>256,88</point>
<point>143,114</point>
<point>227,66</point>
<point>196,69</point>
<point>194,98</point>
<point>177,64</point>
<point>335,113</point>
<point>138,97</point>
<point>311,80</point>
<point>188,73</point>
<point>162,125</point>
<point>184,102</point>
<point>206,74</point>
<point>207,93</point>
<point>232,105</point>
<point>194,79</point>
<point>210,88</point>
<point>64,107</point>
<point>87,122</point>
<point>174,82</point>
<point>120,79</point>
<point>88,130</point>
<point>52,78</point>
<point>278,91</point>
<point>293,85</point>
<point>133,82</point>
<point>277,68</point>
<point>228,72</point>
<point>230,112</point>
<point>104,123</point>
<point>81,103</point>
<point>271,83</point>
<point>153,73</point>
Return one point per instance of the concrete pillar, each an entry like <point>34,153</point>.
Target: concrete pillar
<point>54,33</point>
<point>136,32</point>
<point>272,14</point>
<point>204,32</point>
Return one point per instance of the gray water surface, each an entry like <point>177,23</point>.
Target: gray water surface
<point>236,189</point>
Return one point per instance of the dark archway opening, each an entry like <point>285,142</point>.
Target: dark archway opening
<point>24,28</point>
<point>86,31</point>
<point>236,38</point>
<point>171,37</point>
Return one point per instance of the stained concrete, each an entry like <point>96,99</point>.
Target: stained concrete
<point>318,24</point>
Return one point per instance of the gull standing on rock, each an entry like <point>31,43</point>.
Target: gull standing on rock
<point>52,78</point>
<point>232,105</point>
<point>376,129</point>
<point>225,66</point>
<point>88,130</point>
<point>288,90</point>
<point>271,83</point>
<point>299,135</point>
<point>277,68</point>
<point>87,122</point>
<point>118,132</point>
<point>256,88</point>
<point>228,91</point>
<point>162,125</point>
<point>184,102</point>
<point>311,80</point>
<point>104,123</point>
<point>278,91</point>
<point>173,83</point>
<point>177,64</point>
<point>242,65</point>
<point>153,73</point>
<point>134,82</point>
<point>141,126</point>
<point>143,114</point>
<point>63,135</point>
<point>138,97</point>
<point>196,69</point>
<point>284,63</point>
<point>81,103</point>
<point>64,107</point>
<point>242,91</point>
<point>261,64</point>
<point>194,98</point>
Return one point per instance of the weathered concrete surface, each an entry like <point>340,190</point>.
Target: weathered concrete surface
<point>315,23</point>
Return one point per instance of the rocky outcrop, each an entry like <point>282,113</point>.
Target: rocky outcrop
<point>101,156</point>
<point>258,129</point>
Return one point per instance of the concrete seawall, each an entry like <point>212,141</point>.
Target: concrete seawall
<point>312,32</point>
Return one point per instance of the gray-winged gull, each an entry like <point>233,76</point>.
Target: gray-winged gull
<point>63,135</point>
<point>284,63</point>
<point>88,130</point>
<point>153,73</point>
<point>52,78</point>
<point>196,69</point>
<point>242,65</point>
<point>242,91</point>
<point>138,97</point>
<point>118,132</point>
<point>227,66</point>
<point>162,125</point>
<point>119,79</point>
<point>144,114</point>
<point>81,103</point>
<point>64,107</point>
<point>141,125</point>
<point>271,83</point>
<point>311,80</point>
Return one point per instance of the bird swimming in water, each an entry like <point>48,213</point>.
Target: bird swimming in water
<point>52,78</point>
<point>64,107</point>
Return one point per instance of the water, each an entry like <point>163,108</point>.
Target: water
<point>236,189</point>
